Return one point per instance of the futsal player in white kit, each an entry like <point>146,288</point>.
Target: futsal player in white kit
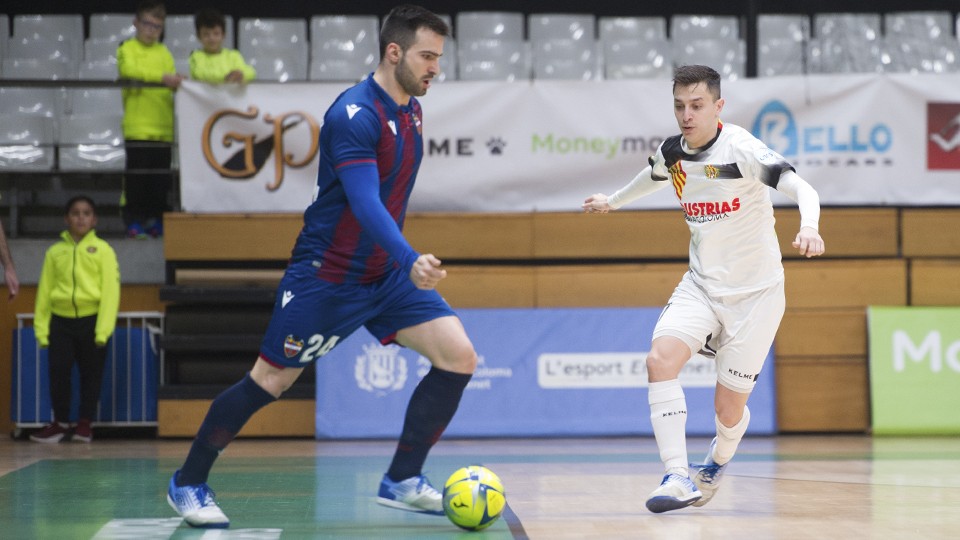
<point>729,304</point>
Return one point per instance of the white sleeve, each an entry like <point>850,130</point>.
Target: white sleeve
<point>642,184</point>
<point>799,190</point>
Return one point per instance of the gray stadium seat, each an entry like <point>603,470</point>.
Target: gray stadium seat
<point>42,48</point>
<point>727,56</point>
<point>859,27</point>
<point>26,142</point>
<point>782,44</point>
<point>448,62</point>
<point>792,27</point>
<point>98,49</point>
<point>491,59</point>
<point>543,27</point>
<point>38,101</point>
<point>54,27</point>
<point>918,24</point>
<point>94,101</point>
<point>279,65</point>
<point>637,59</point>
<point>343,48</point>
<point>91,143</point>
<point>101,70</point>
<point>254,32</point>
<point>32,68</point>
<point>903,54</point>
<point>781,57</point>
<point>830,55</point>
<point>687,27</point>
<point>498,25</point>
<point>112,26</point>
<point>565,59</point>
<point>621,28</point>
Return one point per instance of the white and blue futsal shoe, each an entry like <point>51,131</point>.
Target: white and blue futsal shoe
<point>708,476</point>
<point>196,504</point>
<point>675,492</point>
<point>413,495</point>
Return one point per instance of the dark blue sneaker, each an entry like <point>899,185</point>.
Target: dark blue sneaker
<point>708,475</point>
<point>196,504</point>
<point>675,492</point>
<point>413,495</point>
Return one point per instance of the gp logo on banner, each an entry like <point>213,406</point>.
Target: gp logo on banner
<point>943,135</point>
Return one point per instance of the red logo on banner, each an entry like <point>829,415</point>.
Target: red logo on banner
<point>943,135</point>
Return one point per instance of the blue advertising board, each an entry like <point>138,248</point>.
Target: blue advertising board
<point>128,394</point>
<point>541,372</point>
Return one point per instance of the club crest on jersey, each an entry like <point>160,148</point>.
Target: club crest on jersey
<point>711,172</point>
<point>91,249</point>
<point>292,346</point>
<point>416,122</point>
<point>381,369</point>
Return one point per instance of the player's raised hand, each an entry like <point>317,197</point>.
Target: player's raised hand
<point>596,204</point>
<point>808,242</point>
<point>426,272</point>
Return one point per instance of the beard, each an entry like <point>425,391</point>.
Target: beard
<point>407,80</point>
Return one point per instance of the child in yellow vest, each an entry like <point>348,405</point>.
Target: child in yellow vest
<point>215,63</point>
<point>147,121</point>
<point>78,298</point>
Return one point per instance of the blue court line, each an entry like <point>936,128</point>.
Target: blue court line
<point>514,524</point>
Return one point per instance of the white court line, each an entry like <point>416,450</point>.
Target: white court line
<point>163,529</point>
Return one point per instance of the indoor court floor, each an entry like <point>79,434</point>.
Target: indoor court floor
<point>786,487</point>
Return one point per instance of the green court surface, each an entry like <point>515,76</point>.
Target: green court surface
<point>785,487</point>
<point>287,497</point>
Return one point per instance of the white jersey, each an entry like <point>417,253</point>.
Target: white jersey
<point>724,192</point>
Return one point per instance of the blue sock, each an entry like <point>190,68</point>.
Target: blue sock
<point>431,408</point>
<point>227,415</point>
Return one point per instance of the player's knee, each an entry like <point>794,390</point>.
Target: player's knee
<point>661,367</point>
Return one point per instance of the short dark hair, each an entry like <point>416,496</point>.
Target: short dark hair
<point>402,23</point>
<point>690,75</point>
<point>209,18</point>
<point>80,198</point>
<point>152,7</point>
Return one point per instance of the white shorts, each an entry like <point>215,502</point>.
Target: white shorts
<point>738,328</point>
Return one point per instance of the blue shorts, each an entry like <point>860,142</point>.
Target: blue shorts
<point>311,316</point>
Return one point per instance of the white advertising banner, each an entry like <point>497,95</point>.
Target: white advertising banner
<point>546,145</point>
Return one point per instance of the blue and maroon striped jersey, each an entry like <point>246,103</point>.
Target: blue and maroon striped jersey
<point>370,151</point>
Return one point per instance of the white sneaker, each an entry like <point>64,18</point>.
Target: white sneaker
<point>708,476</point>
<point>413,495</point>
<point>675,492</point>
<point>196,504</point>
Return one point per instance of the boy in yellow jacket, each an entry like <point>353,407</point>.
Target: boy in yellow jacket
<point>147,121</point>
<point>78,298</point>
<point>214,63</point>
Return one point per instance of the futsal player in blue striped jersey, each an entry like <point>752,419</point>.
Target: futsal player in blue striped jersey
<point>352,267</point>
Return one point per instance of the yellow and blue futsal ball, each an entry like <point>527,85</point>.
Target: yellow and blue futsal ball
<point>473,498</point>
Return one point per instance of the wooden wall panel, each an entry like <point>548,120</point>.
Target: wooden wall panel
<point>822,332</point>
<point>822,395</point>
<point>651,234</point>
<point>471,236</point>
<point>931,232</point>
<point>282,418</point>
<point>489,286</point>
<point>817,283</point>
<point>846,232</point>
<point>229,237</point>
<point>935,282</point>
<point>607,286</point>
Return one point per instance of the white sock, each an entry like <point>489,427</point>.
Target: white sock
<point>668,414</point>
<point>728,438</point>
